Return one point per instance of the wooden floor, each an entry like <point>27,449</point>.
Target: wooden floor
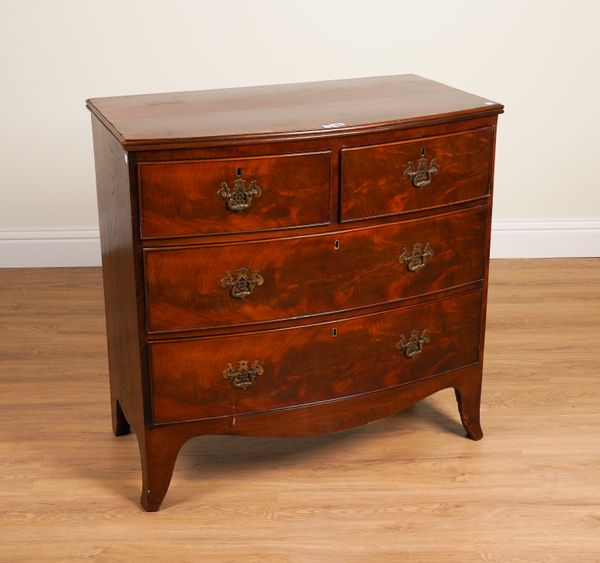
<point>408,488</point>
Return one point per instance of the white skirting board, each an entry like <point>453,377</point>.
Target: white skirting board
<point>575,238</point>
<point>34,248</point>
<point>510,239</point>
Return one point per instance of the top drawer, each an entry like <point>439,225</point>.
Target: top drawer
<point>234,195</point>
<point>393,178</point>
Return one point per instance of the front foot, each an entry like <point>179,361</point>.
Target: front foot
<point>151,500</point>
<point>468,397</point>
<point>158,451</point>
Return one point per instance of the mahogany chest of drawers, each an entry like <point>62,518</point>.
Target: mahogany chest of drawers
<point>291,260</point>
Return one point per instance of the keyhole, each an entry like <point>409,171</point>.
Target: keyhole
<point>238,171</point>
<point>334,332</point>
<point>422,152</point>
<point>336,245</point>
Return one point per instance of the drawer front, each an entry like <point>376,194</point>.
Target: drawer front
<point>234,195</point>
<point>220,376</point>
<point>253,282</point>
<point>399,177</point>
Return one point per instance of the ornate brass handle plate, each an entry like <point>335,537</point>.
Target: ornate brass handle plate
<point>413,345</point>
<point>416,260</point>
<point>244,375</point>
<point>243,284</point>
<point>422,174</point>
<point>239,197</point>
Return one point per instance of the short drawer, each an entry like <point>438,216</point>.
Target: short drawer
<point>237,195</point>
<point>394,178</point>
<point>226,375</point>
<point>253,282</point>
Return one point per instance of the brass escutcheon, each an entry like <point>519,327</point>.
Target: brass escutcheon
<point>413,345</point>
<point>244,375</point>
<point>243,284</point>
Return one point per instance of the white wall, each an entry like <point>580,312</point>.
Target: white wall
<point>540,58</point>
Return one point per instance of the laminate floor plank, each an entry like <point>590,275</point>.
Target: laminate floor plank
<point>409,488</point>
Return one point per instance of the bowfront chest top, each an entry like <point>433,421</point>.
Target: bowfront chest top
<point>291,260</point>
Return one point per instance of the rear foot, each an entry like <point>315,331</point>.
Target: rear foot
<point>119,422</point>
<point>468,397</point>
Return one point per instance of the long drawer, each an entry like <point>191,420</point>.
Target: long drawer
<point>234,195</point>
<point>394,178</point>
<point>226,375</point>
<point>254,282</point>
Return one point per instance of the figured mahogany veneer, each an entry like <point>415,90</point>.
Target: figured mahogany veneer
<point>178,198</point>
<point>346,357</point>
<point>313,274</point>
<point>374,180</point>
<point>291,260</point>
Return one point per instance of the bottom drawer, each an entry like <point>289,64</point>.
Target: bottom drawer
<point>225,375</point>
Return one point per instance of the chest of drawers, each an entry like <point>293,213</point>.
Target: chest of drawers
<point>291,260</point>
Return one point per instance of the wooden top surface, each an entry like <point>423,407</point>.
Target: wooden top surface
<point>283,111</point>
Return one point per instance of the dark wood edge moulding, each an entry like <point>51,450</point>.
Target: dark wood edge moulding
<point>201,142</point>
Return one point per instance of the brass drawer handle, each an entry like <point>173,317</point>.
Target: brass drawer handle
<point>422,174</point>
<point>416,260</point>
<point>413,345</point>
<point>240,196</point>
<point>243,284</point>
<point>244,375</point>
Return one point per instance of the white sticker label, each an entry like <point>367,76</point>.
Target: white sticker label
<point>333,125</point>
